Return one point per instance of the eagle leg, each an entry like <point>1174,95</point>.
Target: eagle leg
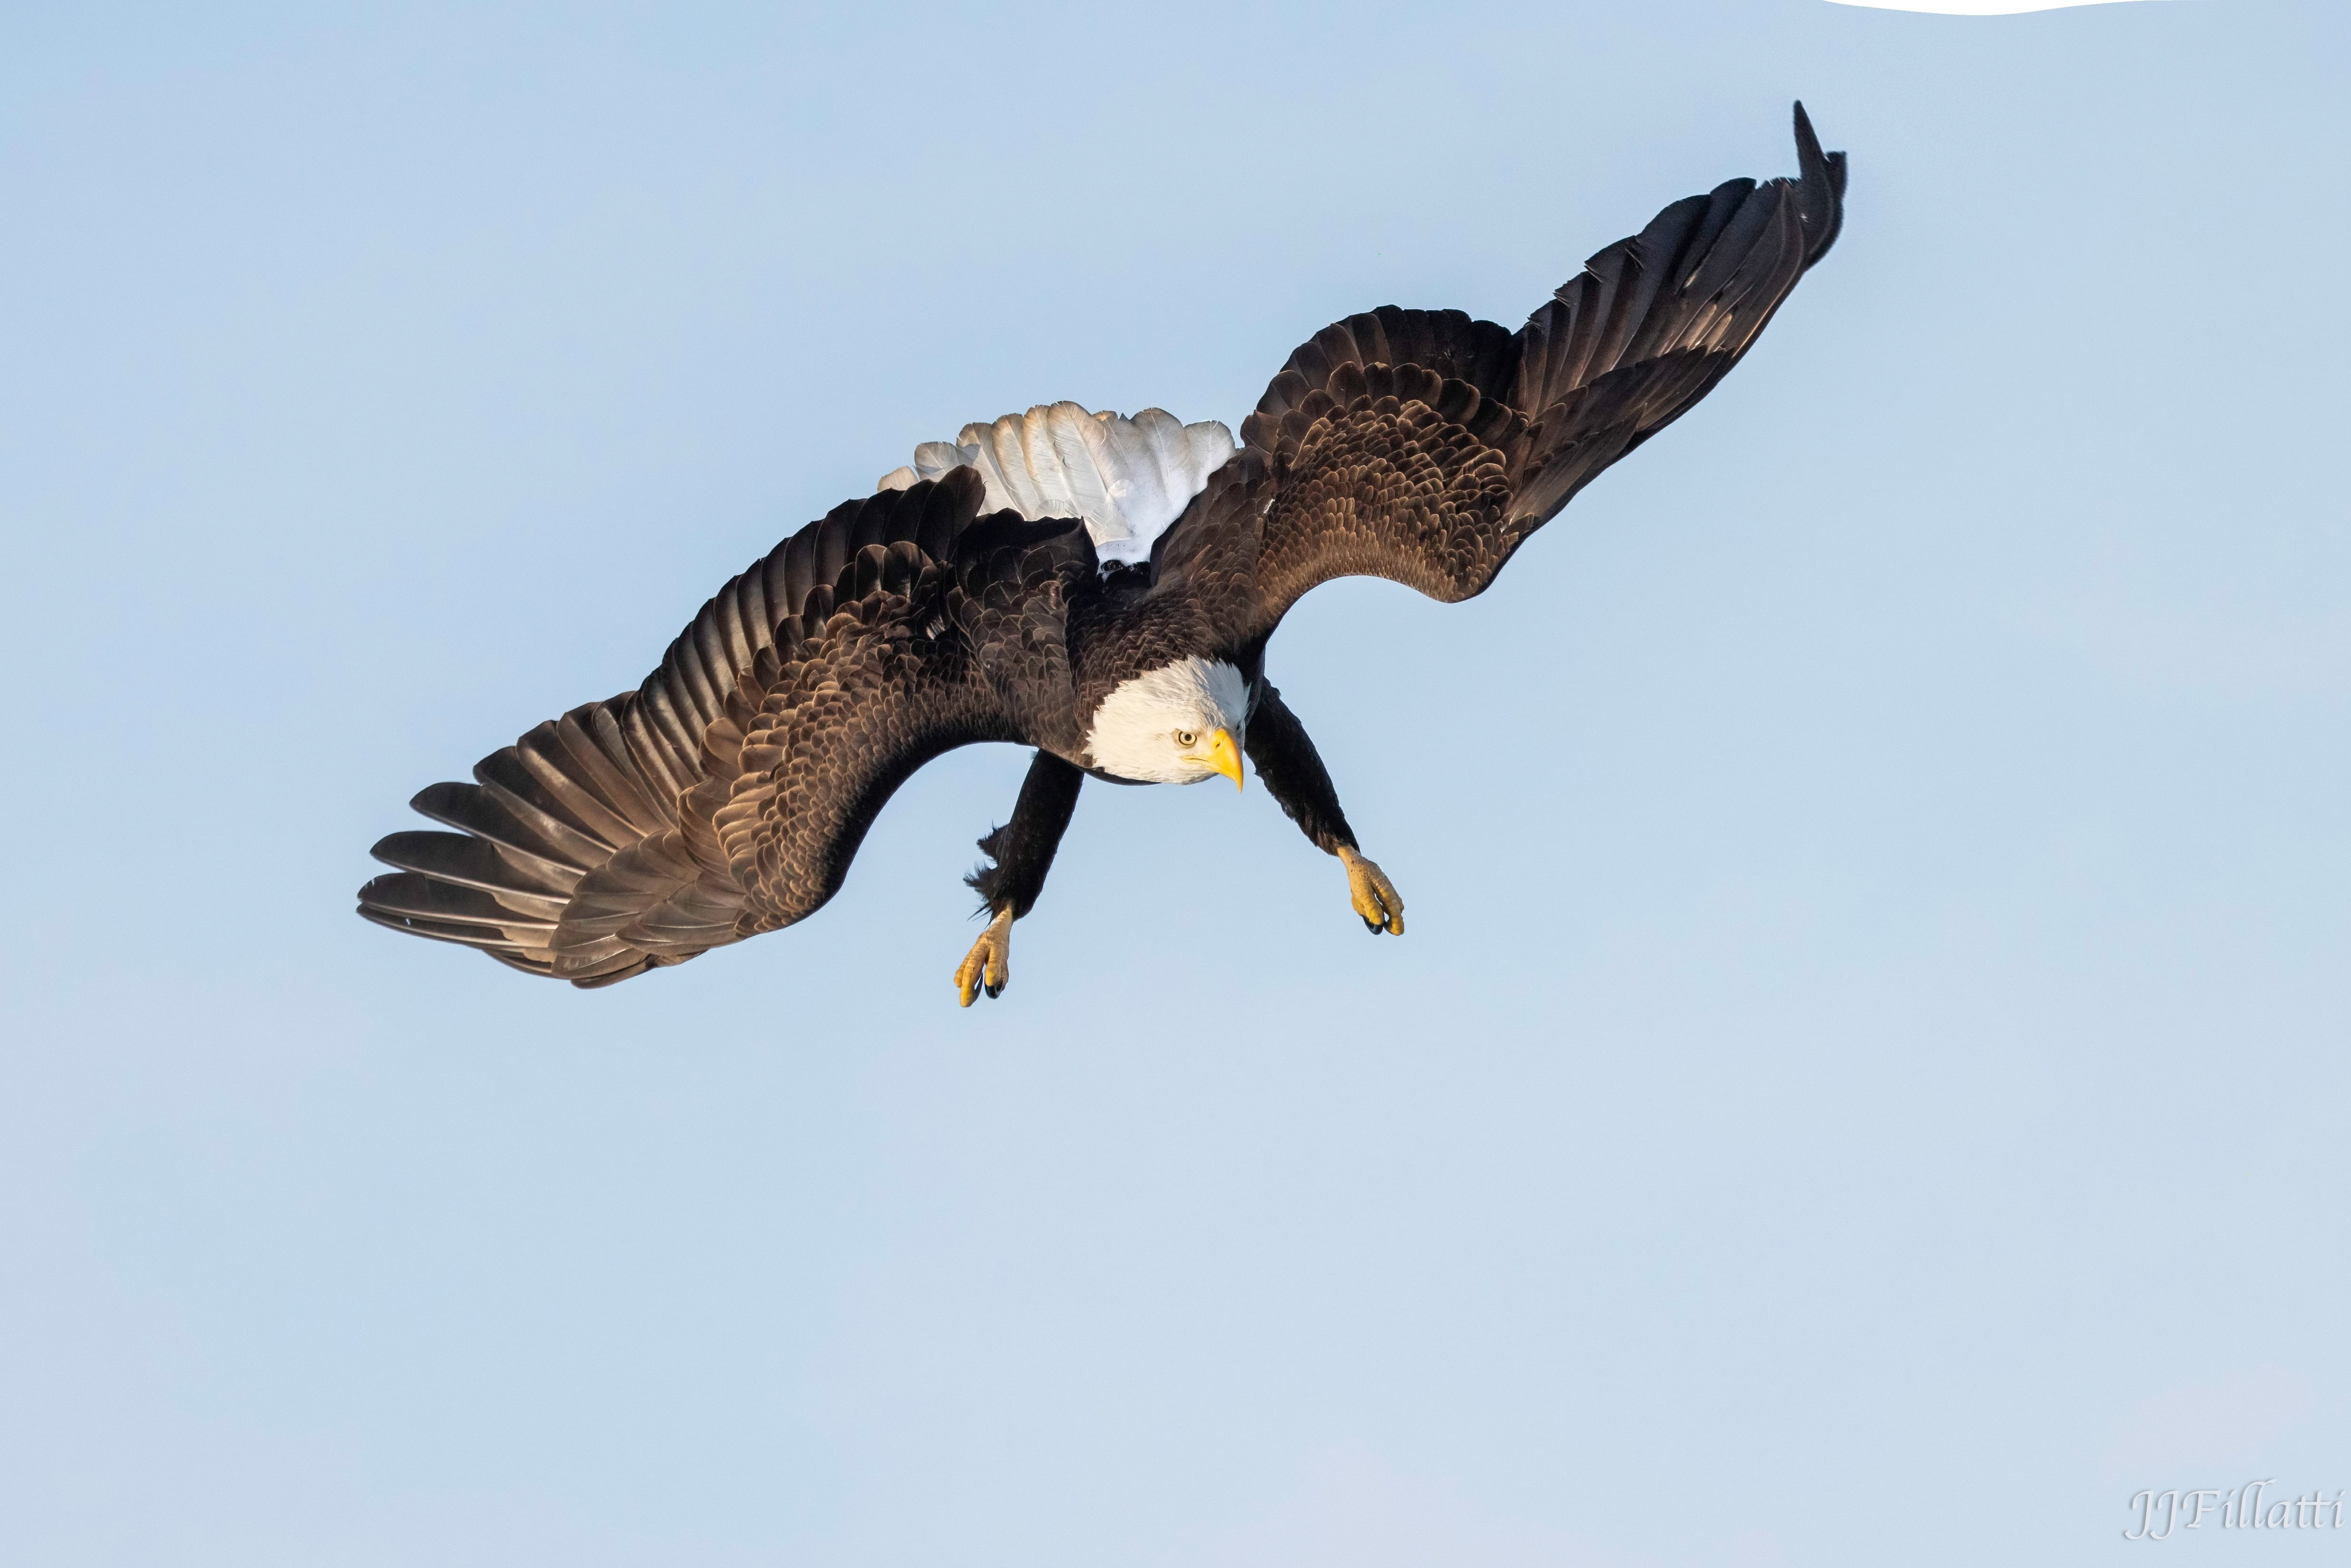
<point>1022,851</point>
<point>1293,774</point>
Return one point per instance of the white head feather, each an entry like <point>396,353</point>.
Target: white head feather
<point>1127,478</point>
<point>1138,732</point>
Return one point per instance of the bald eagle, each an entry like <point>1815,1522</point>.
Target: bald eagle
<point>1098,587</point>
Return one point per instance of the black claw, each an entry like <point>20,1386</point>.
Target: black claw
<point>994,990</point>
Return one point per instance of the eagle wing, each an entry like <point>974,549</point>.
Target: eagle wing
<point>1425,447</point>
<point>727,794</point>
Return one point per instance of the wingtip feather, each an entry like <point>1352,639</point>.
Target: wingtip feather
<point>1821,176</point>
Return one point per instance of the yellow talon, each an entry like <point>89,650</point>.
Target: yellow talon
<point>988,966</point>
<point>1377,903</point>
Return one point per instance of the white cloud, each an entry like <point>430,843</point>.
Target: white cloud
<point>1973,7</point>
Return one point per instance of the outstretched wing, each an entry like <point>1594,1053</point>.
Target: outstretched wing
<point>728,793</point>
<point>1425,447</point>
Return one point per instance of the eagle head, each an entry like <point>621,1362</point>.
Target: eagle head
<point>1179,724</point>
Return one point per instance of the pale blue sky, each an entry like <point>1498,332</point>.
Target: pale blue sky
<point>1866,1077</point>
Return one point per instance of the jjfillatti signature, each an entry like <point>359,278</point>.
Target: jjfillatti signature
<point>2237,1508</point>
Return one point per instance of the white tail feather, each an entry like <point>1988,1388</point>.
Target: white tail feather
<point>1127,478</point>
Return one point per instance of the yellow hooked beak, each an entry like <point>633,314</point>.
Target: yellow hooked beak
<point>1224,755</point>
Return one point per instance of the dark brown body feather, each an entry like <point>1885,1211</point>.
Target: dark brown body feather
<point>727,795</point>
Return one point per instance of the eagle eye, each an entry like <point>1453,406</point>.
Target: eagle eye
<point>1184,737</point>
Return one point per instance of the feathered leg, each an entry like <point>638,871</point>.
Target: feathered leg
<point>1022,851</point>
<point>1293,773</point>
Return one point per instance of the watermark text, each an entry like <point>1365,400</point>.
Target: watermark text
<point>2156,1514</point>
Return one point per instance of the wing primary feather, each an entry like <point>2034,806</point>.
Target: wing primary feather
<point>1824,185</point>
<point>446,931</point>
<point>412,893</point>
<point>473,810</point>
<point>465,860</point>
